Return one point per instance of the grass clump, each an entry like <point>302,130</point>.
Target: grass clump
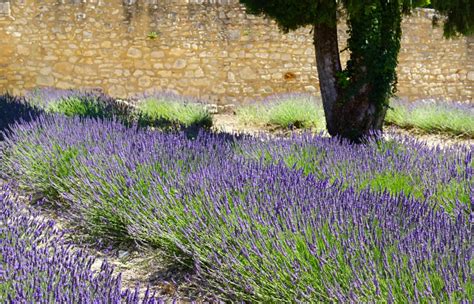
<point>285,111</point>
<point>433,117</point>
<point>305,111</point>
<point>172,111</point>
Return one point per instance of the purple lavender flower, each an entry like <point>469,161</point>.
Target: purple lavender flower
<point>38,266</point>
<point>301,219</point>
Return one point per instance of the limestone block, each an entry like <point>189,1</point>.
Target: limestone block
<point>180,64</point>
<point>42,80</point>
<point>201,82</point>
<point>470,76</point>
<point>248,74</point>
<point>118,91</point>
<point>46,71</point>
<point>106,44</point>
<point>134,52</point>
<point>138,73</point>
<point>84,70</point>
<point>157,54</point>
<point>266,90</point>
<point>164,73</point>
<point>64,85</point>
<point>311,89</point>
<point>219,89</point>
<point>230,77</point>
<point>23,50</point>
<point>198,73</point>
<point>144,81</point>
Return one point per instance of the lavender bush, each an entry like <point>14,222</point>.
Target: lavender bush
<point>81,103</point>
<point>303,219</point>
<point>285,110</point>
<point>432,116</point>
<point>13,109</point>
<point>167,110</point>
<point>442,176</point>
<point>38,266</point>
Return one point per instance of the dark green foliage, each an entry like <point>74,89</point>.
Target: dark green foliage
<point>292,14</point>
<point>373,30</point>
<point>14,109</point>
<point>460,16</point>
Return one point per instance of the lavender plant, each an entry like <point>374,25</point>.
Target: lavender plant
<point>271,234</point>
<point>403,165</point>
<point>303,219</point>
<point>92,104</point>
<point>37,265</point>
<point>430,116</point>
<point>167,110</point>
<point>14,109</point>
<point>287,110</point>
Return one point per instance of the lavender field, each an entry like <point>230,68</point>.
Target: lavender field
<point>304,219</point>
<point>37,265</point>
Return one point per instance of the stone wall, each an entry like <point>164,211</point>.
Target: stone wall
<point>206,48</point>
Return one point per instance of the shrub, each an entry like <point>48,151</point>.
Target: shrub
<point>82,104</point>
<point>284,111</point>
<point>167,110</point>
<point>37,265</point>
<point>433,117</point>
<point>14,109</point>
<point>402,165</point>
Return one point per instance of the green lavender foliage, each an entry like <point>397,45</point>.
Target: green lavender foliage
<point>284,111</point>
<point>433,117</point>
<point>169,110</point>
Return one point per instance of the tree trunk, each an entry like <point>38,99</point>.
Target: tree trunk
<point>351,117</point>
<point>329,66</point>
<point>359,117</point>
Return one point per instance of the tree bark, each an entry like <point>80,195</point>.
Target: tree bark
<point>359,117</point>
<point>351,117</point>
<point>329,66</point>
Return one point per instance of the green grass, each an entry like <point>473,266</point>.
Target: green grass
<point>298,111</point>
<point>165,112</point>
